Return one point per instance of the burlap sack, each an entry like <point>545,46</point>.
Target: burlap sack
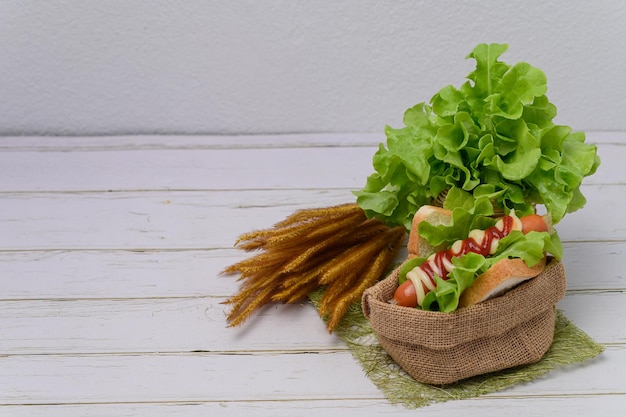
<point>516,328</point>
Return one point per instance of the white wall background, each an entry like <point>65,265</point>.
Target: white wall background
<point>132,67</point>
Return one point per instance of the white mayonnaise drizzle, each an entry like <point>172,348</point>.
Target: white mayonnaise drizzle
<point>422,282</point>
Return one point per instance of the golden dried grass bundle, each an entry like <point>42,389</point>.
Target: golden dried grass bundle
<point>336,247</point>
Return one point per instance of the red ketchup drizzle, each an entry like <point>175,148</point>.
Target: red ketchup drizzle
<point>468,245</point>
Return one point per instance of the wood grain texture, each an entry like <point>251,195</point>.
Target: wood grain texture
<point>532,406</point>
<point>110,292</point>
<point>162,273</point>
<point>198,324</point>
<point>330,162</point>
<point>214,219</point>
<point>254,376</point>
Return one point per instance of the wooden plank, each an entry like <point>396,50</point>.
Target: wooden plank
<point>156,325</point>
<point>146,219</point>
<point>58,274</point>
<point>600,219</point>
<point>584,260</point>
<point>62,379</point>
<point>191,324</point>
<point>608,405</point>
<point>152,142</point>
<point>44,379</point>
<point>199,142</point>
<point>185,168</point>
<point>592,311</point>
<point>107,295</point>
<point>202,220</point>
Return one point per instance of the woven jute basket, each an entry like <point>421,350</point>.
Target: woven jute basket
<point>437,348</point>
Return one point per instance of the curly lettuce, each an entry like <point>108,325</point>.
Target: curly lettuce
<point>493,136</point>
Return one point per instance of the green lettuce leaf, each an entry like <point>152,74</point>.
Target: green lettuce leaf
<point>445,297</point>
<point>494,135</point>
<point>463,221</point>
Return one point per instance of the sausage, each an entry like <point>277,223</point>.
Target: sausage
<point>406,294</point>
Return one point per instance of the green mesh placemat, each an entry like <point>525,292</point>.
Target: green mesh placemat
<point>570,345</point>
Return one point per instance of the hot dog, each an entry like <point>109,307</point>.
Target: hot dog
<point>504,274</point>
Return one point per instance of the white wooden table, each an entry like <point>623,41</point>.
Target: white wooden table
<point>110,250</point>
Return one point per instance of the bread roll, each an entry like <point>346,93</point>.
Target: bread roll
<point>501,277</point>
<point>418,246</point>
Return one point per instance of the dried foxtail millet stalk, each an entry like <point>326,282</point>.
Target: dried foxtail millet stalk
<point>336,248</point>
